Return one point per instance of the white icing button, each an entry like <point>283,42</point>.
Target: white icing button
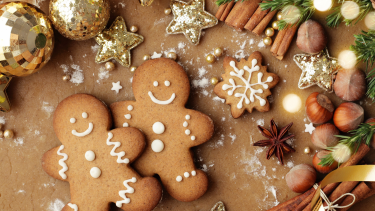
<point>185,124</point>
<point>84,115</point>
<point>95,172</point>
<point>125,124</point>
<point>158,128</point>
<point>128,116</point>
<point>178,178</point>
<point>90,155</point>
<point>157,145</point>
<point>186,174</point>
<point>192,138</point>
<point>167,83</point>
<point>187,132</point>
<point>130,107</point>
<point>156,83</point>
<point>72,120</point>
<point>187,117</point>
<point>193,173</point>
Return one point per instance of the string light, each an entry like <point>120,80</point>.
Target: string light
<point>370,20</point>
<point>350,10</point>
<point>291,14</point>
<point>347,59</point>
<point>322,5</point>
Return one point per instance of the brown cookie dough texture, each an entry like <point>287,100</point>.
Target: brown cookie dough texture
<point>161,89</point>
<point>246,84</point>
<point>95,160</point>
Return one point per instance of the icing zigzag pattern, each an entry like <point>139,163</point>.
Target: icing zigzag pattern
<point>62,162</point>
<point>116,145</point>
<point>128,190</point>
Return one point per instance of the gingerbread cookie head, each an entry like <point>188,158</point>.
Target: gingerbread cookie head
<point>161,82</point>
<point>246,84</point>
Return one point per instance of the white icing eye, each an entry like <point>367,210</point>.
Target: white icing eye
<point>84,115</point>
<point>156,83</point>
<point>167,83</point>
<point>72,120</point>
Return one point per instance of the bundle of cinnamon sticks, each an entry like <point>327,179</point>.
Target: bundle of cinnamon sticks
<point>282,41</point>
<point>361,190</point>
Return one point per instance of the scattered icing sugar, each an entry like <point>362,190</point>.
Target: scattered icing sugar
<point>251,41</point>
<point>204,168</point>
<point>47,108</point>
<point>95,48</point>
<point>200,83</point>
<point>21,191</point>
<point>202,71</point>
<point>290,164</point>
<point>162,20</point>
<point>181,45</point>
<point>286,66</point>
<point>56,205</point>
<point>218,143</point>
<point>273,191</point>
<point>223,119</point>
<point>156,55</point>
<point>216,98</point>
<point>260,122</point>
<point>103,74</point>
<point>131,80</point>
<point>261,44</point>
<point>18,141</point>
<point>77,75</point>
<point>37,132</point>
<point>122,4</point>
<point>64,67</point>
<point>2,120</point>
<point>233,137</point>
<point>205,92</point>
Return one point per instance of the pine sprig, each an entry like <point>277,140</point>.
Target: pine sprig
<point>278,4</point>
<point>220,2</point>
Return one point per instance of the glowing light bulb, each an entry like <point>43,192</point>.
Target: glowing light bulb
<point>322,5</point>
<point>291,14</point>
<point>370,20</point>
<point>292,103</point>
<point>350,10</point>
<point>347,59</point>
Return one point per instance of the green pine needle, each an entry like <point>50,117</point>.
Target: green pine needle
<point>220,2</point>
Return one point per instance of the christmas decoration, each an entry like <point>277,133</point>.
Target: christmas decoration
<point>79,20</point>
<point>189,19</point>
<point>146,2</point>
<point>219,206</point>
<point>318,69</point>
<point>116,43</point>
<point>4,101</point>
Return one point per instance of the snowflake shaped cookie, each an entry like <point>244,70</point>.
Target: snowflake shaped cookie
<point>246,84</point>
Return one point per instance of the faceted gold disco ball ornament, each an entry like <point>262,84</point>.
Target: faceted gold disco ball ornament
<point>79,19</point>
<point>26,39</point>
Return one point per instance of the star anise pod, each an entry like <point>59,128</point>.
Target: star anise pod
<point>276,140</point>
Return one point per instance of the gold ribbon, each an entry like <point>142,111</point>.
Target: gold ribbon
<point>365,173</point>
<point>331,205</point>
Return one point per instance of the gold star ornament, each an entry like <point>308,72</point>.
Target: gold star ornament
<point>116,43</point>
<point>218,207</point>
<point>4,101</point>
<point>189,19</point>
<point>317,69</point>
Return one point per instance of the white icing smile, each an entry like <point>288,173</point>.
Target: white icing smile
<point>161,102</point>
<point>85,133</point>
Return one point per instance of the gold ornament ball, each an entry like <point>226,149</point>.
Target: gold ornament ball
<point>279,16</point>
<point>172,55</point>
<point>133,68</point>
<point>109,66</point>
<point>66,77</point>
<point>267,41</point>
<point>218,52</point>
<point>28,41</point>
<point>167,11</point>
<point>8,134</point>
<point>269,32</point>
<point>275,25</point>
<point>146,57</point>
<point>307,150</point>
<point>79,20</point>
<point>214,81</point>
<point>134,29</point>
<point>210,58</point>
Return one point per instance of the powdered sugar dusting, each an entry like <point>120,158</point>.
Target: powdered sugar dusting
<point>18,141</point>
<point>200,83</point>
<point>103,74</point>
<point>216,98</point>
<point>2,120</point>
<point>77,75</point>
<point>56,205</point>
<point>156,55</point>
<point>47,107</point>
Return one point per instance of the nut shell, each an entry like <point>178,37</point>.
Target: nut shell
<point>319,108</point>
<point>348,116</point>
<point>325,136</point>
<point>301,178</point>
<point>311,37</point>
<point>350,84</point>
<point>323,169</point>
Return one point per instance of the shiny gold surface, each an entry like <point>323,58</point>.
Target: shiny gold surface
<point>116,43</point>
<point>26,39</point>
<point>218,207</point>
<point>4,101</point>
<point>146,2</point>
<point>79,19</point>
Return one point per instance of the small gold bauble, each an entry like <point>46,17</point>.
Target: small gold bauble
<point>307,150</point>
<point>275,25</point>
<point>1,134</point>
<point>134,29</point>
<point>109,66</point>
<point>269,32</point>
<point>172,55</point>
<point>66,77</point>
<point>279,15</point>
<point>133,68</point>
<point>210,58</point>
<point>214,81</point>
<point>146,57</point>
<point>267,41</point>
<point>218,52</point>
<point>8,134</point>
<point>167,11</point>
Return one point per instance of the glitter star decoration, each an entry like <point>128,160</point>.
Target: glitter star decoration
<point>317,69</point>
<point>116,43</point>
<point>219,206</point>
<point>4,101</point>
<point>189,19</point>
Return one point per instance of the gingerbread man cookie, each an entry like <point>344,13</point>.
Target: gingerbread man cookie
<point>246,84</point>
<point>161,89</point>
<point>95,160</point>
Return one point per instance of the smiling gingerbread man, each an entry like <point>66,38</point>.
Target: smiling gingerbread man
<point>161,89</point>
<point>95,160</point>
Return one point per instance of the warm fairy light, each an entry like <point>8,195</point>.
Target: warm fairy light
<point>291,14</point>
<point>292,103</point>
<point>347,59</point>
<point>350,10</point>
<point>322,5</point>
<point>370,20</point>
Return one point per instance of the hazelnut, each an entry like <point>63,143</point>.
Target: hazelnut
<point>319,108</point>
<point>318,158</point>
<point>301,178</point>
<point>371,121</point>
<point>350,84</point>
<point>311,37</point>
<point>348,116</point>
<point>325,136</point>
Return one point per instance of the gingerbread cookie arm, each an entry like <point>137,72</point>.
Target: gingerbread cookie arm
<point>198,126</point>
<point>54,163</point>
<point>125,150</point>
<point>123,110</point>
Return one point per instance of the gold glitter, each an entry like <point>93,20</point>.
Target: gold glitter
<point>116,43</point>
<point>146,2</point>
<point>26,39</point>
<point>218,207</point>
<point>189,19</point>
<point>4,101</point>
<point>318,69</point>
<point>79,20</point>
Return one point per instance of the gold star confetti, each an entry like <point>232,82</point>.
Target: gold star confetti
<point>189,19</point>
<point>116,43</point>
<point>4,101</point>
<point>318,69</point>
<point>146,2</point>
<point>218,207</point>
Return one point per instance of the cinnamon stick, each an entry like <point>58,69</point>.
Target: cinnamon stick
<point>220,11</point>
<point>241,13</point>
<point>360,192</point>
<point>344,187</point>
<point>256,18</point>
<point>292,203</point>
<point>287,39</point>
<point>276,44</point>
<point>227,11</point>
<point>259,29</point>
